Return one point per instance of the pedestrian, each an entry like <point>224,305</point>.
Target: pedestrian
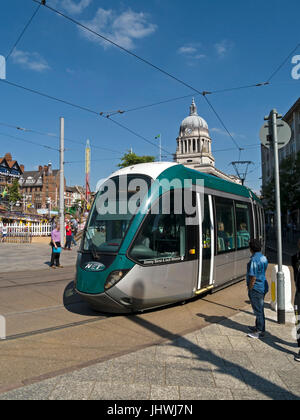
<point>56,247</point>
<point>257,287</point>
<point>68,236</point>
<point>296,267</point>
<point>53,223</point>
<point>4,233</point>
<point>74,228</point>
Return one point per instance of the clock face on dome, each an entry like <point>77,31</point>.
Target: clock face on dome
<point>188,131</point>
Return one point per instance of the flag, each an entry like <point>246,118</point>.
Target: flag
<point>4,192</point>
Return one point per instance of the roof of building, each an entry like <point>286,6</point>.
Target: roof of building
<point>293,108</point>
<point>193,122</point>
<point>34,178</point>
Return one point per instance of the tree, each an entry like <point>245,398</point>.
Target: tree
<point>13,192</point>
<point>289,173</point>
<point>130,159</point>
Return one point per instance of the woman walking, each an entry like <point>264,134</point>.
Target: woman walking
<point>56,247</point>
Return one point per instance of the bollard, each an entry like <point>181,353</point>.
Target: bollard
<point>287,289</point>
<point>2,328</point>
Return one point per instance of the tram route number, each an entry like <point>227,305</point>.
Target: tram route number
<point>151,410</point>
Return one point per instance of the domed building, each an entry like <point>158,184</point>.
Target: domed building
<point>194,146</point>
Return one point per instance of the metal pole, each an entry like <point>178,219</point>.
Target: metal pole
<point>62,182</point>
<point>160,148</point>
<point>280,275</point>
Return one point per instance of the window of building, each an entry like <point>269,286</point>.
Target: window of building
<point>161,239</point>
<point>243,225</point>
<point>225,225</point>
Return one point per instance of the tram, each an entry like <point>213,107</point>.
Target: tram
<point>160,233</point>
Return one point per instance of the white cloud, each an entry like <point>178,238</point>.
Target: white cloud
<point>223,47</point>
<point>191,52</point>
<point>71,6</point>
<point>224,133</point>
<point>32,61</point>
<point>187,50</point>
<point>122,29</point>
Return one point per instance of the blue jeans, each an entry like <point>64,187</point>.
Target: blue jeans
<point>257,303</point>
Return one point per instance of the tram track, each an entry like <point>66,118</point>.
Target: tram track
<point>54,328</point>
<point>38,283</point>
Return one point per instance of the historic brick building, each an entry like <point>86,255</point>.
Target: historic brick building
<point>41,188</point>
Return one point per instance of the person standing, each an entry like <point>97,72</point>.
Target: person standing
<point>74,227</point>
<point>296,267</point>
<point>68,236</point>
<point>56,247</point>
<point>257,287</point>
<point>4,233</point>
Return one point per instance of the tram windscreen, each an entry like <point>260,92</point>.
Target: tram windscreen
<point>113,209</point>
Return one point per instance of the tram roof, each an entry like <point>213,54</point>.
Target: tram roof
<point>210,181</point>
<point>172,170</point>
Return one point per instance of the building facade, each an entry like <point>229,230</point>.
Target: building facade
<point>194,146</point>
<point>40,189</point>
<point>9,171</point>
<point>292,117</point>
<point>73,195</point>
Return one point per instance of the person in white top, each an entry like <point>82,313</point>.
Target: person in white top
<point>4,233</point>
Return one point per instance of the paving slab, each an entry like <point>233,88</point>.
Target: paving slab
<point>184,370</point>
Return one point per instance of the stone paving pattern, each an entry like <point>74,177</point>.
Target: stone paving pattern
<point>218,362</point>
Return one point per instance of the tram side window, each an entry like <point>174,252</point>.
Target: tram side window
<point>225,225</point>
<point>243,225</point>
<point>162,238</point>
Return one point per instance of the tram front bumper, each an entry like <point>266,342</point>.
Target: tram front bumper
<point>104,303</point>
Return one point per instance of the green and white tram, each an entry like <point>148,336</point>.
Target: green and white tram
<point>143,247</point>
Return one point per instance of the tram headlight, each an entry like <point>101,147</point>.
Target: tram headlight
<point>114,277</point>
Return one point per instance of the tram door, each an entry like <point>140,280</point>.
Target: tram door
<point>206,247</point>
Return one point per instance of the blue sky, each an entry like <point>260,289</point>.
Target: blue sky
<point>210,45</point>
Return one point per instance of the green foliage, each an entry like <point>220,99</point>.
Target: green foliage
<point>130,159</point>
<point>289,186</point>
<point>13,192</point>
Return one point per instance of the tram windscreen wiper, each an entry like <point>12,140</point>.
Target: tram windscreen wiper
<point>91,247</point>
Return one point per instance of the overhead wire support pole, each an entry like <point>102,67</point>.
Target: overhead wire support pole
<point>242,175</point>
<point>280,275</point>
<point>62,181</point>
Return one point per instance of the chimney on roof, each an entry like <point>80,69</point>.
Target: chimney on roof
<point>49,168</point>
<point>22,168</point>
<point>8,157</point>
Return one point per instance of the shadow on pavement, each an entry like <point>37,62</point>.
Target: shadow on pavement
<point>73,302</point>
<point>257,382</point>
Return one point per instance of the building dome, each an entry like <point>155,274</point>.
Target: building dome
<point>193,124</point>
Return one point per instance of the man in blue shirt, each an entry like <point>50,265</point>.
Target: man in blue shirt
<point>257,287</point>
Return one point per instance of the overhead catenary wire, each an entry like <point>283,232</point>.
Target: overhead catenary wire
<point>30,141</point>
<point>204,93</point>
<point>29,130</point>
<point>24,30</point>
<point>222,123</point>
<point>283,63</point>
<point>45,95</point>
